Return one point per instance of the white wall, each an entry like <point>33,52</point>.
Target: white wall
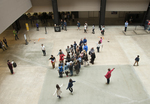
<point>11,10</point>
<point>123,5</point>
<point>41,6</point>
<point>78,5</point>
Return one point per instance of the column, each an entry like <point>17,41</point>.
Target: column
<point>147,15</point>
<point>55,12</point>
<point>102,13</point>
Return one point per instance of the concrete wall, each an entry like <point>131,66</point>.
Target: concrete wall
<point>41,6</point>
<point>11,10</point>
<point>78,5</point>
<point>124,5</point>
<point>89,5</point>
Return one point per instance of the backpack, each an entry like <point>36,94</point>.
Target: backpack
<point>14,65</point>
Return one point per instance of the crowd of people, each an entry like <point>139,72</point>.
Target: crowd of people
<point>76,56</point>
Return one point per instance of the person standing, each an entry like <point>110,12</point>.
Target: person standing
<point>126,25</point>
<point>136,60</point>
<point>65,25</point>
<point>85,57</point>
<point>10,66</point>
<point>43,49</point>
<point>93,28</point>
<point>101,39</point>
<point>146,25</point>
<point>68,49</point>
<point>61,57</point>
<point>81,42</point>
<point>85,48</point>
<point>78,24</point>
<point>15,34</point>
<point>84,40</point>
<point>75,46</point>
<point>60,70</point>
<point>62,24</point>
<point>103,30</point>
<point>37,26</point>
<point>70,85</point>
<point>80,48</point>
<point>85,28</point>
<point>108,75</point>
<point>71,68</point>
<point>92,57</point>
<point>2,45</point>
<point>53,60</point>
<point>5,41</point>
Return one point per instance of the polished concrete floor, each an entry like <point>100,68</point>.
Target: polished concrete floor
<point>34,79</point>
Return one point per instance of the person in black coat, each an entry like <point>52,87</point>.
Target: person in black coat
<point>93,57</point>
<point>5,41</point>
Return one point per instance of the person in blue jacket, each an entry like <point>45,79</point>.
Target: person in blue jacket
<point>70,85</point>
<point>60,70</point>
<point>85,48</point>
<point>84,40</point>
<point>78,24</point>
<point>65,25</point>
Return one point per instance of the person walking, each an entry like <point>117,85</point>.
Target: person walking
<point>43,49</point>
<point>78,24</point>
<point>53,60</point>
<point>37,26</point>
<point>65,25</point>
<point>70,85</point>
<point>10,66</point>
<point>93,29</point>
<point>108,75</point>
<point>5,41</point>
<point>126,25</point>
<point>15,34</point>
<point>58,91</point>
<point>136,60</point>
<point>99,45</point>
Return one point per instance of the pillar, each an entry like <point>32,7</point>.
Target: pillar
<point>147,15</point>
<point>55,12</point>
<point>102,13</point>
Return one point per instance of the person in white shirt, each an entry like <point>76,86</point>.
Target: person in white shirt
<point>85,28</point>
<point>93,28</point>
<point>98,46</point>
<point>43,49</point>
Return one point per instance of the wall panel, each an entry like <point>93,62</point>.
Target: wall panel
<point>11,10</point>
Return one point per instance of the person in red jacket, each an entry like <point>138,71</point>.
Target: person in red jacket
<point>108,75</point>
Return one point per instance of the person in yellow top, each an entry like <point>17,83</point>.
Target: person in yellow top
<point>15,34</point>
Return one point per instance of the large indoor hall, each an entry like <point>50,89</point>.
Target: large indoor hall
<point>34,80</point>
